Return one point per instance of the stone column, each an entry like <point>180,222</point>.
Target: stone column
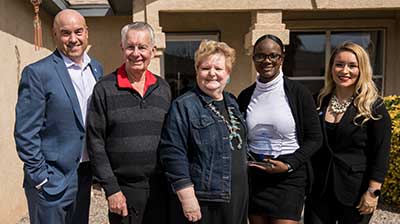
<point>143,12</point>
<point>265,22</point>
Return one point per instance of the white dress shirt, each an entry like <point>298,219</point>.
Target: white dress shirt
<point>83,81</point>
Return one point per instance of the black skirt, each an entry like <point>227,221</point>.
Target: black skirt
<point>280,196</point>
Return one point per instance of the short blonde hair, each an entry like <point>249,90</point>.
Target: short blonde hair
<point>211,47</point>
<point>365,92</point>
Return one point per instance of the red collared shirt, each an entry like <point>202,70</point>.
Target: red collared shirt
<point>123,81</point>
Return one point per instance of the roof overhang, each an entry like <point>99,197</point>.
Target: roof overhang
<point>114,7</point>
<point>122,7</point>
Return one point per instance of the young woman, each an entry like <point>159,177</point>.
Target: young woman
<point>351,166</point>
<point>283,133</point>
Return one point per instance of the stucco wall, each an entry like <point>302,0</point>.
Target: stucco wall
<point>218,5</point>
<point>17,50</point>
<point>105,38</point>
<point>232,27</point>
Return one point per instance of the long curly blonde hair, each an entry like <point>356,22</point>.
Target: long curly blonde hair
<point>365,92</point>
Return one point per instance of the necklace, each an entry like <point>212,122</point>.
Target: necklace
<point>340,107</point>
<point>232,125</point>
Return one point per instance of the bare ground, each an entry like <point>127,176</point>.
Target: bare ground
<point>385,214</point>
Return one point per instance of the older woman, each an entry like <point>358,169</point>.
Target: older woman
<point>283,134</point>
<point>203,147</point>
<point>352,164</point>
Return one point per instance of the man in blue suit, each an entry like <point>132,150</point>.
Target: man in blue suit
<point>49,132</point>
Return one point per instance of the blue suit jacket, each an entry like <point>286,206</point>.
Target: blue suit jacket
<point>49,129</point>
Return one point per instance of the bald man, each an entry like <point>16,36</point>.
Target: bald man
<point>49,131</point>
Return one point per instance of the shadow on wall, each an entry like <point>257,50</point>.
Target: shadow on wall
<point>138,5</point>
<point>16,27</point>
<point>17,20</point>
<point>105,38</point>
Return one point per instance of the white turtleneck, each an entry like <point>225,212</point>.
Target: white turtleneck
<point>272,130</point>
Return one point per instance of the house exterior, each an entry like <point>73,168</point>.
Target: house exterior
<point>309,28</point>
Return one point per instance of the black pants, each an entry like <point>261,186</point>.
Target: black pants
<point>136,201</point>
<point>328,211</point>
<point>145,205</point>
<point>82,203</point>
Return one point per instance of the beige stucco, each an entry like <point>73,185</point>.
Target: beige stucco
<point>17,50</point>
<point>218,5</point>
<point>105,38</point>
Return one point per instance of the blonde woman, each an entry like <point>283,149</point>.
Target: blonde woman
<point>352,163</point>
<point>203,145</point>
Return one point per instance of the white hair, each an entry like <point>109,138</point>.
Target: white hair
<point>137,26</point>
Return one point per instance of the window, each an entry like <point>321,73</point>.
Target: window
<point>179,60</point>
<point>308,53</point>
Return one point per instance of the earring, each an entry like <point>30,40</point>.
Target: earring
<point>228,81</point>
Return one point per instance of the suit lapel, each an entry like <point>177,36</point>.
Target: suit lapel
<point>321,114</point>
<point>95,71</point>
<point>62,73</point>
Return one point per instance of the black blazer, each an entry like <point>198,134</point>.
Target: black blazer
<point>305,116</point>
<point>360,154</point>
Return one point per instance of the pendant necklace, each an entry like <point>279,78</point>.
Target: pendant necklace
<point>340,107</point>
<point>232,125</point>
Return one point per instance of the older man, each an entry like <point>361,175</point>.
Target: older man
<point>124,125</point>
<point>50,125</point>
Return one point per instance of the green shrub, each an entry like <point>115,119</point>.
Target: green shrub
<point>391,187</point>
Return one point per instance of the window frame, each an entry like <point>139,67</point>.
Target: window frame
<point>328,32</point>
<point>388,26</point>
<point>186,36</point>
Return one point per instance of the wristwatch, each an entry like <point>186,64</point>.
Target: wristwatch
<point>374,192</point>
<point>290,169</point>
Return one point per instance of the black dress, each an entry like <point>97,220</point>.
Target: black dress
<point>234,212</point>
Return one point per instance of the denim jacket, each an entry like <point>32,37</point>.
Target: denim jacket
<point>195,148</point>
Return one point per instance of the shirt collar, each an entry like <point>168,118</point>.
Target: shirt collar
<point>123,81</point>
<point>69,63</point>
<point>277,81</point>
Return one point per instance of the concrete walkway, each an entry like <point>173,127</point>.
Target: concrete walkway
<point>98,212</point>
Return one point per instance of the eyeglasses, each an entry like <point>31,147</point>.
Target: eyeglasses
<point>261,57</point>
